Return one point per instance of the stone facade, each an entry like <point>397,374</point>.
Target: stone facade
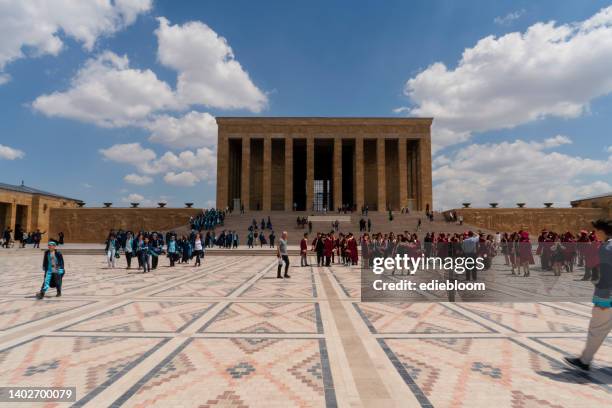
<point>89,225</point>
<point>531,219</point>
<point>379,162</point>
<point>29,208</point>
<point>600,201</point>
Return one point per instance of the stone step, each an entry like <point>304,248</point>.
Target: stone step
<point>209,252</point>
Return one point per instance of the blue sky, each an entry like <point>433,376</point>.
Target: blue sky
<point>524,117</point>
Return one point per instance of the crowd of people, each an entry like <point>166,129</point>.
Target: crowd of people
<point>256,232</point>
<point>208,219</point>
<point>302,222</point>
<point>558,252</point>
<point>9,238</point>
<point>147,247</point>
<point>330,248</point>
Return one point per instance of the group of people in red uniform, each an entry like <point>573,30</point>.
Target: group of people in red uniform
<point>563,251</point>
<point>557,251</point>
<point>328,248</point>
<point>517,250</point>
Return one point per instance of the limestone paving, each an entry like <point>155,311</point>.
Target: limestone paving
<point>230,334</point>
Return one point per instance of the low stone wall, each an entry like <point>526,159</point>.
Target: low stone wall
<point>89,225</point>
<point>531,219</point>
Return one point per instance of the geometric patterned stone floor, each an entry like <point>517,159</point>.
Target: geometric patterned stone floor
<point>229,334</point>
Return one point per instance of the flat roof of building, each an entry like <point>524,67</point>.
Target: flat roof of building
<point>31,190</point>
<point>327,120</point>
<point>594,197</point>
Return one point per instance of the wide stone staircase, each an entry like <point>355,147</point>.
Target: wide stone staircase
<point>287,221</point>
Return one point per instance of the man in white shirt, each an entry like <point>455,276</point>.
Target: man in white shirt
<point>283,256</point>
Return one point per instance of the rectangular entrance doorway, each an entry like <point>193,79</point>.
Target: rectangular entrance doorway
<point>322,195</point>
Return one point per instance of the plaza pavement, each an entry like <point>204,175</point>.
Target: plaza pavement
<point>229,334</point>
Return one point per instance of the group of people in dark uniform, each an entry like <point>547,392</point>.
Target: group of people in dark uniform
<point>22,236</point>
<point>255,233</point>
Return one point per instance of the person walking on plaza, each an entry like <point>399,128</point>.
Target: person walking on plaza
<point>128,249</point>
<point>198,249</point>
<point>111,250</point>
<point>235,240</point>
<point>319,248</point>
<point>186,250</point>
<point>37,237</point>
<point>250,238</point>
<point>328,248</point>
<point>156,244</point>
<point>524,253</point>
<point>469,246</point>
<point>138,245</point>
<point>144,254</point>
<point>272,237</point>
<point>283,256</point>
<point>53,268</point>
<point>7,238</point>
<point>601,315</point>
<point>304,251</point>
<point>172,250</point>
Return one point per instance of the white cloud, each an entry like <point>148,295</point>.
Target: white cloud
<point>555,141</point>
<point>548,71</point>
<point>9,153</point>
<point>509,18</point>
<point>609,149</point>
<point>208,73</point>
<point>137,179</point>
<point>201,164</point>
<point>143,201</point>
<point>131,153</point>
<point>134,198</point>
<point>107,92</point>
<point>519,171</point>
<point>36,25</point>
<point>195,129</point>
<point>140,199</point>
<point>183,179</point>
<point>402,109</point>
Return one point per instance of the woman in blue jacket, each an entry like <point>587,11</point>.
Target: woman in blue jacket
<point>172,250</point>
